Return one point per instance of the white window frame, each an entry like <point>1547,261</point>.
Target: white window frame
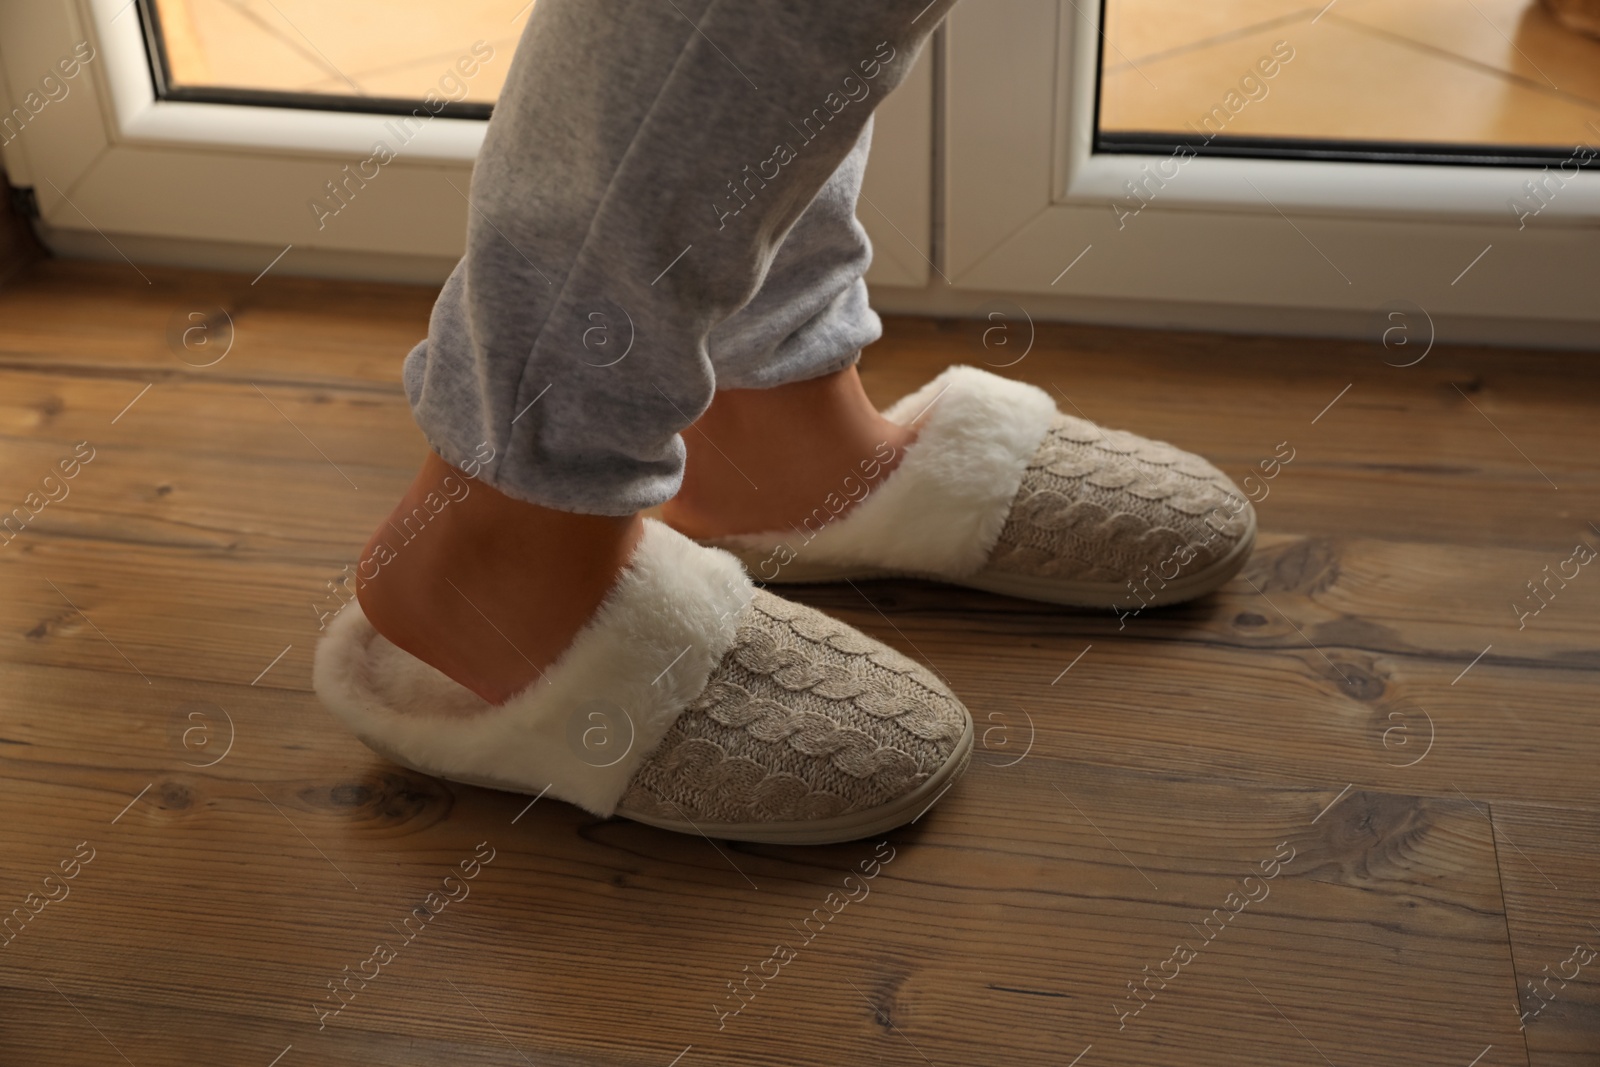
<point>120,173</point>
<point>1002,210</point>
<point>1228,243</point>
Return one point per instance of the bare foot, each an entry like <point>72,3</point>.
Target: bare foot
<point>767,459</point>
<point>485,588</point>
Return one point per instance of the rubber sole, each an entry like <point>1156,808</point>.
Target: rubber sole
<point>1067,593</point>
<point>851,827</point>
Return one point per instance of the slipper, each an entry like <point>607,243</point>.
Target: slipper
<point>692,701</point>
<point>1001,492</point>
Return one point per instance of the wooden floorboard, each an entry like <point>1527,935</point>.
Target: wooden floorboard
<point>1553,908</point>
<point>1360,698</point>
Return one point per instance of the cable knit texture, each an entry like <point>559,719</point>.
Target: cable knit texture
<point>1102,505</point>
<point>804,718</point>
<point>1001,491</point>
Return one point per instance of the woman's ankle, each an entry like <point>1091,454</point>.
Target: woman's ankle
<point>487,589</point>
<point>766,459</point>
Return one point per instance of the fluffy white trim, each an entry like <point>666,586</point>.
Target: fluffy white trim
<point>942,509</point>
<point>644,656</point>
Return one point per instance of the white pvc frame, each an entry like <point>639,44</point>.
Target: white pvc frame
<point>118,172</point>
<point>1244,244</point>
<point>1361,189</point>
<point>141,119</point>
<point>1248,244</point>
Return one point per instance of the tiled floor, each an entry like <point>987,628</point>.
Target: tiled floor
<point>397,48</point>
<point>1465,71</point>
<point>1468,71</point>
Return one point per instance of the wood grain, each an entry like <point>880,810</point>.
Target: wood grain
<point>1331,700</point>
<point>1553,909</point>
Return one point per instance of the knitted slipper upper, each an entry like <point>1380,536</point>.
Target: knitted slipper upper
<point>804,718</point>
<point>689,694</point>
<point>998,482</point>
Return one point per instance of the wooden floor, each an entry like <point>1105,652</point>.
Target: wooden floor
<point>1357,715</point>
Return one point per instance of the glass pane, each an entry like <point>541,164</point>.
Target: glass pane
<point>1481,80</point>
<point>300,50</point>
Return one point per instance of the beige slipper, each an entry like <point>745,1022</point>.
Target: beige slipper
<point>1002,492</point>
<point>691,701</point>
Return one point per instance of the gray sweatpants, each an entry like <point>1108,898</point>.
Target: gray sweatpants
<point>664,205</point>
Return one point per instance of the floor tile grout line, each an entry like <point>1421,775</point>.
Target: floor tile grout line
<point>1468,63</point>
<point>1226,37</point>
<point>1465,62</point>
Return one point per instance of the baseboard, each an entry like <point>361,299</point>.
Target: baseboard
<point>249,258</point>
<point>945,302</point>
<point>1288,322</point>
<point>937,299</point>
